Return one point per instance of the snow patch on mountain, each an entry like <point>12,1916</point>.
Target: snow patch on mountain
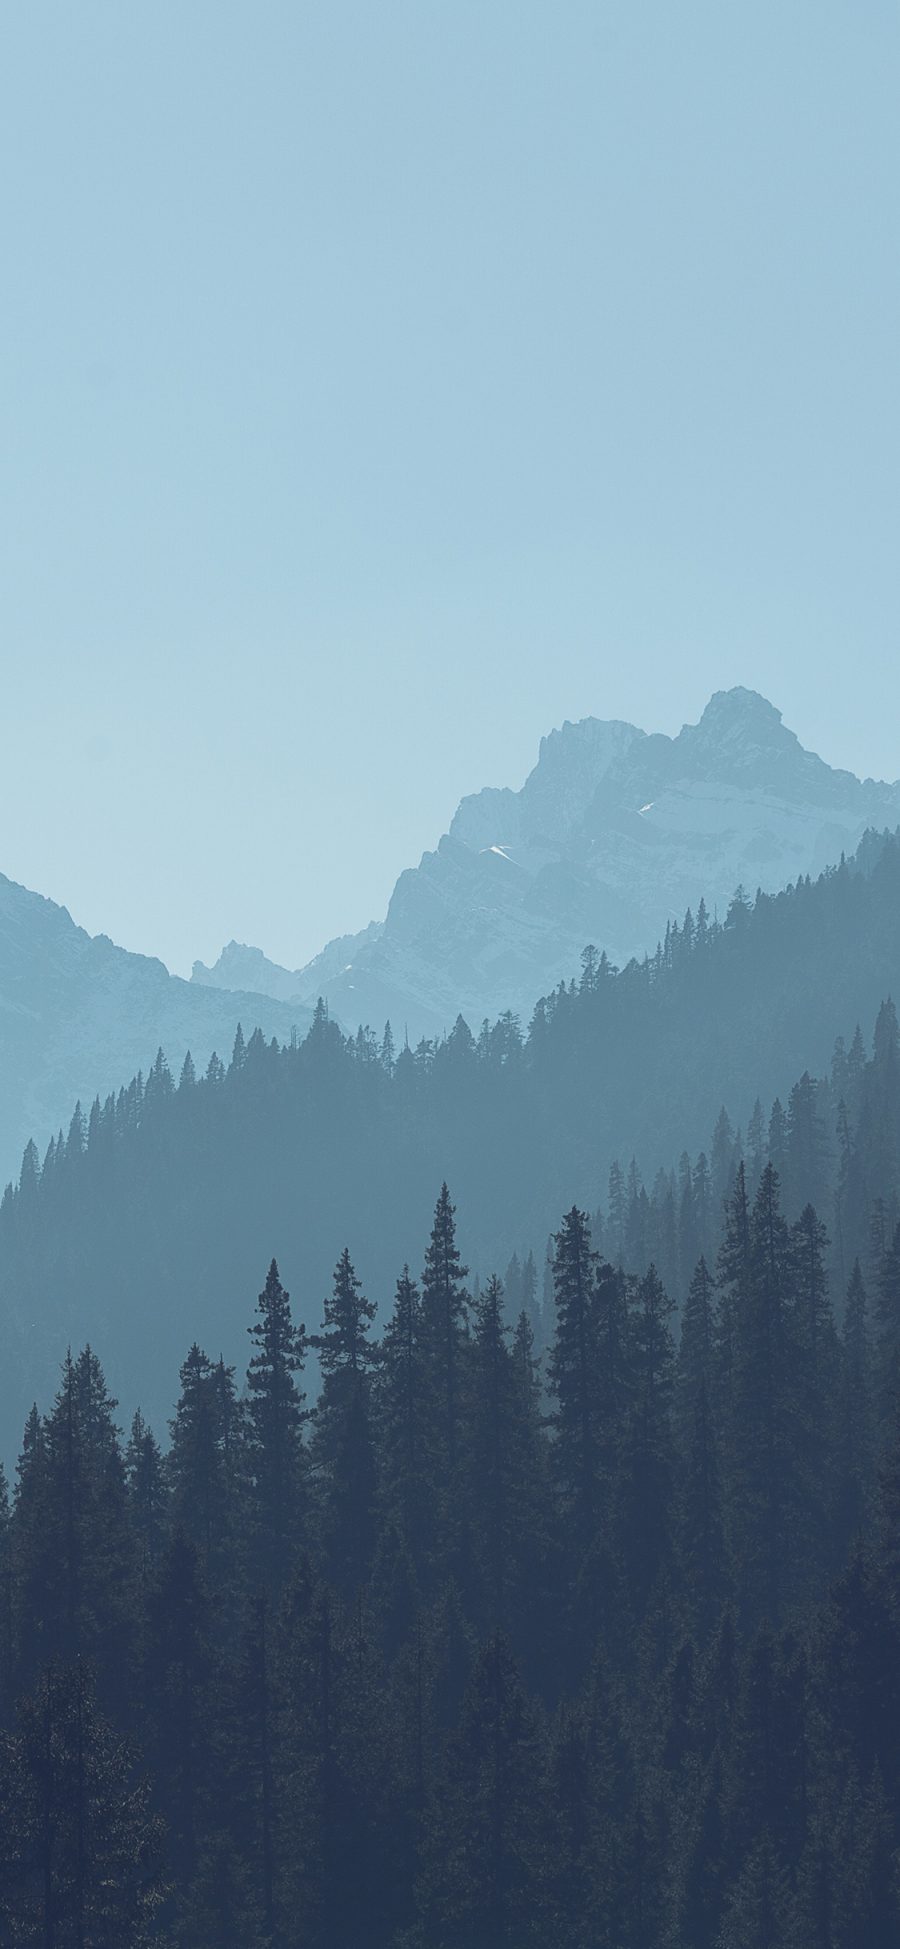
<point>614,833</point>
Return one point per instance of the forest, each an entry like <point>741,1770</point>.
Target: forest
<point>598,1648</point>
<point>162,1202</point>
<point>456,1610</point>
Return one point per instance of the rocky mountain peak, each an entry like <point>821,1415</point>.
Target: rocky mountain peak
<point>742,710</point>
<point>614,833</point>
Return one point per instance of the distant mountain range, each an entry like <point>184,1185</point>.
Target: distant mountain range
<point>78,1016</point>
<point>614,833</point>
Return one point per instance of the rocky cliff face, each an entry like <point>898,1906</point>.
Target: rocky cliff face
<point>613,834</point>
<point>79,1017</point>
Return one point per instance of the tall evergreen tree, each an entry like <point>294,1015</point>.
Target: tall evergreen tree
<point>855,1422</point>
<point>444,1321</point>
<point>763,1444</point>
<point>344,1445</point>
<point>276,1414</point>
<point>700,1454</point>
<point>486,1855</point>
<point>646,1508</point>
<point>81,1848</point>
<point>573,1375</point>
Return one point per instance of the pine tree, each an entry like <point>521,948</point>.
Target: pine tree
<point>855,1424</point>
<point>176,1691</point>
<point>72,1534</point>
<point>573,1376</point>
<point>203,1466</point>
<point>275,1416</point>
<point>645,1512</point>
<point>699,1444</point>
<point>147,1495</point>
<point>507,1484</point>
<point>486,1853</point>
<point>888,1346</point>
<point>734,1272</point>
<point>758,1908</point>
<point>444,1321</point>
<point>7,1627</point>
<point>763,1445</point>
<point>616,1213</point>
<point>344,1446</point>
<point>402,1417</point>
<point>82,1849</point>
<point>813,1333</point>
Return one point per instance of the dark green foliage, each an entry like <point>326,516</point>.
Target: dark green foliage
<point>575,1377</point>
<point>600,1649</point>
<point>80,1855</point>
<point>698,1406</point>
<point>344,1445</point>
<point>275,1415</point>
<point>485,1860</point>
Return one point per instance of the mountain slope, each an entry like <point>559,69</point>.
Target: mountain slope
<point>613,834</point>
<point>79,1015</point>
<point>181,1196</point>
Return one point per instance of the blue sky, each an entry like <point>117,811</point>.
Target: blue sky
<point>380,385</point>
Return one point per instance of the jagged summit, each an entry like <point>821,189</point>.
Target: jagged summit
<point>614,832</point>
<point>741,707</point>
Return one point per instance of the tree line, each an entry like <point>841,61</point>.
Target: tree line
<point>171,1194</point>
<point>598,1648</point>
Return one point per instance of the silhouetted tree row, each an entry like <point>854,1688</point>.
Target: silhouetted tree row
<point>601,1650</point>
<point>162,1203</point>
<point>835,1144</point>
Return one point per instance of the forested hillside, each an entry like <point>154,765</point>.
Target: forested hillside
<point>160,1203</point>
<point>79,1014</point>
<point>472,1657</point>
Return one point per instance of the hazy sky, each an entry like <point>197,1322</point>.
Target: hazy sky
<point>381,384</point>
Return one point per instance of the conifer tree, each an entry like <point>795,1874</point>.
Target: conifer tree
<point>504,1486</point>
<point>763,1450</point>
<point>7,1628</point>
<point>81,1847</point>
<point>444,1320</point>
<point>574,1376</point>
<point>72,1532</point>
<point>758,1907</point>
<point>855,1422</point>
<point>531,1305</point>
<point>813,1333</point>
<point>204,1465</point>
<point>888,1318</point>
<point>344,1445</point>
<point>147,1495</point>
<point>699,1444</point>
<point>176,1687</point>
<point>646,1511</point>
<point>486,1855</point>
<point>275,1415</point>
<point>402,1414</point>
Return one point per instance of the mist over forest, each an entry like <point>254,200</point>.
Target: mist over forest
<point>449,976</point>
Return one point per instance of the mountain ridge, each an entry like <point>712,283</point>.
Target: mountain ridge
<point>174,1197</point>
<point>614,832</point>
<point>78,1016</point>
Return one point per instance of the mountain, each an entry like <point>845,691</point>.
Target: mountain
<point>173,1202</point>
<point>78,1015</point>
<point>613,834</point>
<point>247,968</point>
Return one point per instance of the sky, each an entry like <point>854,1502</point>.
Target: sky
<point>381,385</point>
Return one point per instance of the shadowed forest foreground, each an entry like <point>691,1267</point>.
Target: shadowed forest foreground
<point>601,1651</point>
